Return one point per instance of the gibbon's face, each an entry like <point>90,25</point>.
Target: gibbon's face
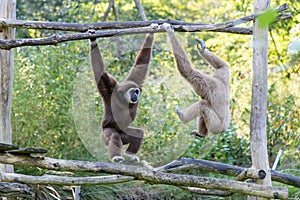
<point>130,91</point>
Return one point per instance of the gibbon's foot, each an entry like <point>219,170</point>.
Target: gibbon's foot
<point>167,27</point>
<point>179,113</point>
<point>196,133</point>
<point>203,45</point>
<point>131,157</point>
<point>118,159</point>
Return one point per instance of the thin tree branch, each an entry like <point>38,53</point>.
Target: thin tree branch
<point>64,180</point>
<point>115,12</point>
<point>110,5</point>
<point>202,191</point>
<point>16,190</point>
<point>56,39</point>
<point>63,26</point>
<point>140,9</point>
<point>184,26</point>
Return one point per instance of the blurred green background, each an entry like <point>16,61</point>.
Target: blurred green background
<point>56,105</point>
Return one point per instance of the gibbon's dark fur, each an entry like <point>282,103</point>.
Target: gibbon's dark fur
<point>213,110</point>
<point>121,101</point>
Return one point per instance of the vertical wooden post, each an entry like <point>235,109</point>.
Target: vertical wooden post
<point>8,11</point>
<point>258,135</point>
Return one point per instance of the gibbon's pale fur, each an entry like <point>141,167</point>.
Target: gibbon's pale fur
<point>121,101</point>
<point>213,110</point>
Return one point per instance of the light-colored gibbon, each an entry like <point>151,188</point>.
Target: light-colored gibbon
<point>121,102</point>
<point>212,112</point>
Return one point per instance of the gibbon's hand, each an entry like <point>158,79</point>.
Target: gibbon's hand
<point>91,32</point>
<point>154,26</point>
<point>167,27</point>
<point>203,45</point>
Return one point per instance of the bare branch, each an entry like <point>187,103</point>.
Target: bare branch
<point>56,39</point>
<point>16,190</point>
<point>202,191</point>
<point>63,26</point>
<point>64,180</point>
<point>230,170</point>
<point>140,9</point>
<point>110,5</point>
<point>141,173</point>
<point>116,12</point>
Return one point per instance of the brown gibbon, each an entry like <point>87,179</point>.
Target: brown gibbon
<point>121,101</point>
<point>212,111</point>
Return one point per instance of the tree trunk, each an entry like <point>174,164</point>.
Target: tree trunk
<point>258,135</point>
<point>7,10</point>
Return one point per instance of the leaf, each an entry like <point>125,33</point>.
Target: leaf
<point>267,17</point>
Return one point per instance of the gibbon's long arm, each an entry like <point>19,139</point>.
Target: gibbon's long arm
<point>209,57</point>
<point>139,71</point>
<point>183,63</point>
<point>195,77</point>
<point>96,60</point>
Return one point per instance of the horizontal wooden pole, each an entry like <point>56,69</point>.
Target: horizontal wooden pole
<point>56,39</point>
<point>64,26</point>
<point>141,173</point>
<point>118,29</point>
<point>180,25</point>
<point>64,180</point>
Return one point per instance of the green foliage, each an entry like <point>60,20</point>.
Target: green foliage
<point>283,126</point>
<point>267,17</point>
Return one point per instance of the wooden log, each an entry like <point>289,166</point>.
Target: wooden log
<point>56,39</point>
<point>28,150</point>
<point>179,25</point>
<point>7,11</point>
<point>6,147</point>
<point>63,26</point>
<point>64,180</point>
<point>202,191</point>
<point>209,166</point>
<point>141,173</point>
<point>258,115</point>
<point>16,190</point>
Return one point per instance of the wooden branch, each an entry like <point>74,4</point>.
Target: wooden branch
<point>179,25</point>
<point>64,180</point>
<point>110,5</point>
<point>16,190</point>
<point>231,170</point>
<point>140,9</point>
<point>141,173</point>
<point>63,26</point>
<point>202,191</point>
<point>56,39</point>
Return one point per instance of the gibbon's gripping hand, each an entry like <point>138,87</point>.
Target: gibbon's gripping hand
<point>154,26</point>
<point>167,27</point>
<point>91,32</point>
<point>203,45</point>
